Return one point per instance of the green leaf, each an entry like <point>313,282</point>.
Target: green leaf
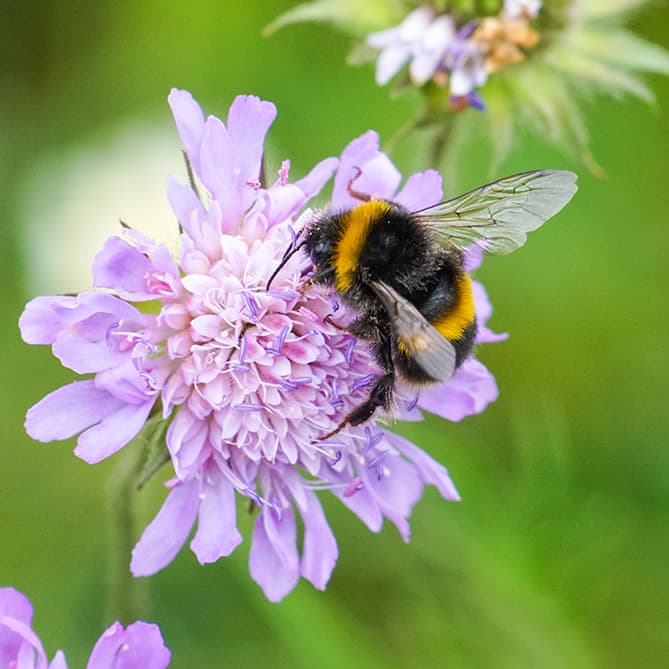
<point>351,16</point>
<point>589,74</point>
<point>597,9</point>
<point>625,50</point>
<point>361,54</point>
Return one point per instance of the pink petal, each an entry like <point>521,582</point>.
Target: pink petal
<point>122,268</point>
<point>190,123</point>
<point>319,554</point>
<point>184,203</point>
<point>379,179</point>
<point>360,151</point>
<point>58,661</point>
<point>361,502</point>
<point>395,491</point>
<point>217,534</point>
<point>168,531</point>
<point>467,392</point>
<point>18,648</point>
<point>113,432</point>
<point>273,560</point>
<point>420,191</point>
<point>313,182</point>
<point>430,471</point>
<point>186,437</point>
<point>40,323</point>
<point>483,313</point>
<point>14,604</point>
<point>249,120</point>
<point>390,62</point>
<point>69,410</point>
<point>280,202</point>
<point>216,157</point>
<point>140,646</point>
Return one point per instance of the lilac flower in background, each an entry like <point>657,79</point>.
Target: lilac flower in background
<point>466,65</point>
<point>248,379</point>
<point>461,56</point>
<point>139,646</point>
<point>421,39</point>
<point>527,62</point>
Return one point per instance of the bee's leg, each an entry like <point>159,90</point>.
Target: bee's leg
<point>381,393</point>
<point>379,396</point>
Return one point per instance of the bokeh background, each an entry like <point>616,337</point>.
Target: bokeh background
<point>558,554</point>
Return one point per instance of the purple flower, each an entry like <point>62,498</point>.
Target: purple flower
<point>466,65</point>
<point>139,646</point>
<point>249,379</point>
<point>421,39</point>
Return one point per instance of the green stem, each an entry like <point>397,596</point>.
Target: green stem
<point>400,134</point>
<point>126,597</point>
<point>439,145</point>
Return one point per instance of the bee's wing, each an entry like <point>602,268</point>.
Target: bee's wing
<point>498,216</point>
<point>433,353</point>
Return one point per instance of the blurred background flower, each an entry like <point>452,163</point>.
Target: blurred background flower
<point>555,556</point>
<point>139,646</point>
<point>528,63</point>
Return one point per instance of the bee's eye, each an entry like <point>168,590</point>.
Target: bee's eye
<point>321,248</point>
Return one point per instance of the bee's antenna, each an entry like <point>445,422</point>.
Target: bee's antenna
<point>288,254</point>
<point>354,193</point>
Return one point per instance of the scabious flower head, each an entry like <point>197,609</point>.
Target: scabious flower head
<point>527,62</point>
<point>248,379</point>
<point>138,646</point>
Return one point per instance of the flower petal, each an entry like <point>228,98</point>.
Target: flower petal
<point>273,560</point>
<point>217,534</point>
<point>18,641</point>
<point>58,661</point>
<point>390,62</point>
<point>421,190</point>
<point>113,432</point>
<point>184,202</point>
<point>430,471</point>
<point>396,487</point>
<point>319,175</point>
<point>166,534</point>
<point>483,312</point>
<point>467,392</point>
<point>121,267</point>
<point>190,124</point>
<point>140,646</point>
<point>249,120</point>
<point>320,552</point>
<point>40,323</point>
<point>69,410</point>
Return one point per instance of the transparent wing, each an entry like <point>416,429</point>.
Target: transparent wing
<point>498,216</point>
<point>434,354</point>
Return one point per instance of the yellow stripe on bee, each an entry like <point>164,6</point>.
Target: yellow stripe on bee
<point>461,315</point>
<point>357,224</point>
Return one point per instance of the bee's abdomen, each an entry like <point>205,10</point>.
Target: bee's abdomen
<point>448,304</point>
<point>457,319</point>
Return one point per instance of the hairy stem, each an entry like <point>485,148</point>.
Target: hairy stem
<point>126,597</point>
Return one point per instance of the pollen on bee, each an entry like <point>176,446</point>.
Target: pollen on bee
<point>417,343</point>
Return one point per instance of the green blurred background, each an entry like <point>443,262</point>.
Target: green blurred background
<point>557,555</point>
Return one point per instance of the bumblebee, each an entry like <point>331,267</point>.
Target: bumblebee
<point>403,271</point>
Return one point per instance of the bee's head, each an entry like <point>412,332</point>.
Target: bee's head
<point>320,242</point>
<point>320,245</point>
